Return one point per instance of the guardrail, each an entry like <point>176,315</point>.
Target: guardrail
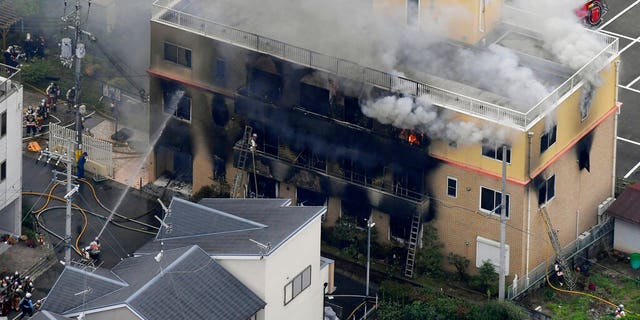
<point>10,78</point>
<point>507,114</point>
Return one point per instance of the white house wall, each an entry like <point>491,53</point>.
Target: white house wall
<point>625,237</point>
<point>11,152</point>
<point>290,260</point>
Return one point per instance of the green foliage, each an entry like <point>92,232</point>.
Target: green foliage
<point>419,310</point>
<point>429,258</point>
<point>461,264</point>
<point>394,291</point>
<point>487,279</point>
<point>494,309</point>
<point>36,72</point>
<point>390,310</point>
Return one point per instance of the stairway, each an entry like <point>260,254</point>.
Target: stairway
<point>238,177</point>
<point>413,243</point>
<point>553,236</point>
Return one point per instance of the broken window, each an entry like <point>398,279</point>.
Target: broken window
<point>583,149</point>
<point>490,201</point>
<point>548,138</point>
<point>265,85</point>
<point>175,101</point>
<point>177,54</point>
<point>494,151</point>
<point>547,190</point>
<point>307,197</point>
<point>314,99</point>
<point>267,188</point>
<point>219,110</point>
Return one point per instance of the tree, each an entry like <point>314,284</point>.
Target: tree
<point>487,278</point>
<point>429,258</point>
<point>497,310</point>
<point>461,263</point>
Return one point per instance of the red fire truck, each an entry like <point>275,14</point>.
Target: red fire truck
<point>592,12</point>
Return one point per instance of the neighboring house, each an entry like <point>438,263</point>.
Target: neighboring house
<point>626,211</point>
<point>48,315</point>
<point>10,151</point>
<point>220,70</point>
<point>182,283</point>
<point>271,247</point>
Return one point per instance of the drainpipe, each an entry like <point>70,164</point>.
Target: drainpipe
<point>530,136</point>
<point>615,133</point>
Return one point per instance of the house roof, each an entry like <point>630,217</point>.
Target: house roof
<point>231,226</point>
<point>47,315</point>
<point>627,205</point>
<point>185,277</point>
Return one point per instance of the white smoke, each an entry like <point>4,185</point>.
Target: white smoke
<point>421,115</point>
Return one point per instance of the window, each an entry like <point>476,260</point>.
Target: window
<point>297,285</point>
<point>490,201</point>
<point>548,138</point>
<point>177,54</point>
<point>494,151</point>
<point>182,110</point>
<point>220,70</point>
<point>3,124</point>
<point>3,171</point>
<point>547,190</point>
<point>413,12</point>
<point>452,187</point>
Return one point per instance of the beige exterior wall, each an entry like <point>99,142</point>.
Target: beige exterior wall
<point>333,212</point>
<point>382,226</point>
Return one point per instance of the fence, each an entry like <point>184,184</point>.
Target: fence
<point>100,152</point>
<point>575,247</point>
<point>9,80</point>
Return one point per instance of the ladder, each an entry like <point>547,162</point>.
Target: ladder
<point>553,236</point>
<point>238,177</point>
<point>413,243</point>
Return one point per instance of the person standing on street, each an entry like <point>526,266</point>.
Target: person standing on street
<point>81,162</point>
<point>26,304</point>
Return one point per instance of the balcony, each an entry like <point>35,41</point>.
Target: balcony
<point>9,81</point>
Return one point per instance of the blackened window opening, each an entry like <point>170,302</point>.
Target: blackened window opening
<point>179,108</point>
<point>490,201</point>
<point>264,85</point>
<point>452,187</point>
<point>314,99</point>
<point>3,171</point>
<point>354,115</point>
<point>266,187</point>
<point>548,138</point>
<point>221,71</point>
<point>307,158</point>
<point>494,151</point>
<point>219,110</point>
<point>307,197</point>
<point>3,124</point>
<point>547,190</point>
<point>400,225</point>
<point>408,183</point>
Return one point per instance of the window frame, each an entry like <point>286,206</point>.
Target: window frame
<point>184,58</point>
<point>3,171</point>
<point>496,155</point>
<point>547,137</point>
<point>290,287</point>
<point>3,124</point>
<point>455,190</point>
<point>495,201</point>
<point>545,186</point>
<point>175,113</point>
<point>221,70</point>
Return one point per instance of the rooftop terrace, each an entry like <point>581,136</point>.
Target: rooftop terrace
<point>459,92</point>
<point>9,80</point>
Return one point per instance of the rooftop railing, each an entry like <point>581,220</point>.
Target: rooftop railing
<point>505,114</point>
<point>9,80</point>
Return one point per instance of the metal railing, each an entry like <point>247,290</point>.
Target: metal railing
<point>507,114</point>
<point>575,247</point>
<point>10,78</point>
<point>99,151</point>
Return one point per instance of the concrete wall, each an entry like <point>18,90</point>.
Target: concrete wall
<point>11,152</point>
<point>625,236</point>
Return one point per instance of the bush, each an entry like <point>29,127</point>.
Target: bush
<point>429,258</point>
<point>497,310</point>
<point>487,279</point>
<point>36,72</point>
<point>461,264</point>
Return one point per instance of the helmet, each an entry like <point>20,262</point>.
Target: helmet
<point>30,107</point>
<point>621,305</point>
<point>28,295</point>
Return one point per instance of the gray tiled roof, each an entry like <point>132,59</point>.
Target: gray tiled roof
<point>185,284</point>
<point>47,315</point>
<point>278,223</point>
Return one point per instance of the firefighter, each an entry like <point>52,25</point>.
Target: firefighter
<point>620,312</point>
<point>71,97</point>
<point>52,95</point>
<point>30,121</point>
<point>94,250</point>
<point>559,274</point>
<point>253,142</point>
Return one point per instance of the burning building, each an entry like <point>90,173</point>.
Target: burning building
<point>395,110</point>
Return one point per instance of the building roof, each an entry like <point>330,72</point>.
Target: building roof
<point>47,315</point>
<point>231,226</point>
<point>627,205</point>
<point>185,277</point>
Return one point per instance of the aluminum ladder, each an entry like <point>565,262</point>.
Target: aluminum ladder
<point>553,236</point>
<point>413,243</point>
<point>238,177</point>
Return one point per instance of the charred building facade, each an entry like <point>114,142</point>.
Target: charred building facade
<point>341,126</point>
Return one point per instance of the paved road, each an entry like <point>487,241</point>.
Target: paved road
<point>621,21</point>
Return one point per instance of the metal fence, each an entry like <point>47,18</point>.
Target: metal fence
<point>507,114</point>
<point>9,80</point>
<point>100,151</point>
<point>575,247</point>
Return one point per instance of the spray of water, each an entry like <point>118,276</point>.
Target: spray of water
<point>172,105</point>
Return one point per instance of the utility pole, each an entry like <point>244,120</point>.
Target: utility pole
<point>78,54</point>
<point>67,158</point>
<point>503,231</point>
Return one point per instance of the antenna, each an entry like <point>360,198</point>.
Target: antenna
<point>162,222</point>
<point>164,208</point>
<point>264,247</point>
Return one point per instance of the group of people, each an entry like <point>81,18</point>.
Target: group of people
<point>14,54</point>
<point>36,117</point>
<point>15,294</point>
